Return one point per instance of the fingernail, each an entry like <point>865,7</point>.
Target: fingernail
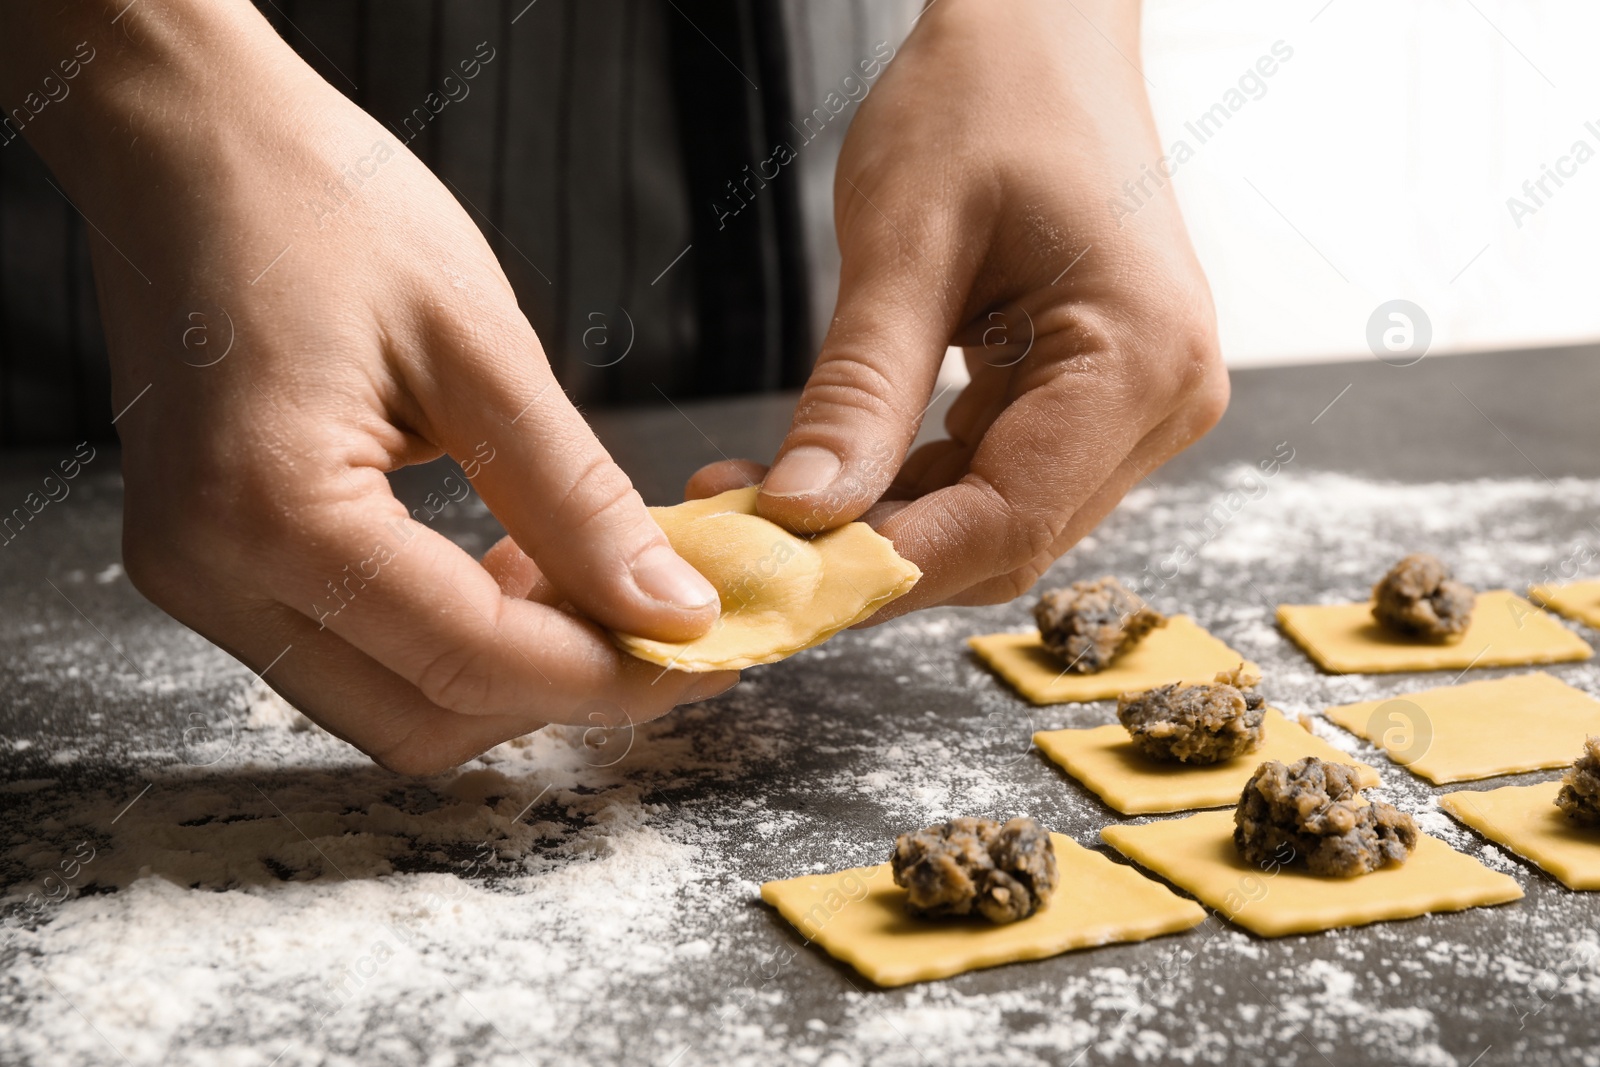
<point>662,575</point>
<point>715,685</point>
<point>807,469</point>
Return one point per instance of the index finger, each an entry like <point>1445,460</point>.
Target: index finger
<point>1040,460</point>
<point>419,605</point>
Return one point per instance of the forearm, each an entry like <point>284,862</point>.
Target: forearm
<point>101,88</point>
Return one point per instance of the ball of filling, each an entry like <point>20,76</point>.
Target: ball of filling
<point>1091,623</point>
<point>1312,813</point>
<point>1196,723</point>
<point>1418,598</point>
<point>1002,871</point>
<point>1579,798</point>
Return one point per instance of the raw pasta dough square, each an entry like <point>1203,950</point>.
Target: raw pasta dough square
<point>1104,760</point>
<point>1180,651</point>
<point>1576,600</point>
<point>1456,733</point>
<point>1196,854</point>
<point>1506,631</point>
<point>859,916</point>
<point>1525,819</point>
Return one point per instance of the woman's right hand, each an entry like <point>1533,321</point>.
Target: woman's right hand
<point>295,306</point>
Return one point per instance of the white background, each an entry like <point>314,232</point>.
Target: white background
<point>1391,141</point>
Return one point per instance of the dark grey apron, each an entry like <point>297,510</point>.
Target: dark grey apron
<point>655,175</point>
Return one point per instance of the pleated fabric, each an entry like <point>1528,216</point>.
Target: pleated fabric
<point>655,176</point>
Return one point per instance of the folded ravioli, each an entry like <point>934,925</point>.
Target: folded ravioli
<point>780,593</point>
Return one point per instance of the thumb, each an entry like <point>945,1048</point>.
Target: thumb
<point>866,396</point>
<point>569,507</point>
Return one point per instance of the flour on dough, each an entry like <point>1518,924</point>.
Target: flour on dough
<point>859,916</point>
<point>1105,761</point>
<point>780,593</point>
<point>1181,651</point>
<point>1197,855</point>
<point>1525,819</point>
<point>1506,631</point>
<point>1579,601</point>
<point>1456,733</point>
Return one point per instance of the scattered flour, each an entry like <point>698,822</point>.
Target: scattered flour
<point>259,895</point>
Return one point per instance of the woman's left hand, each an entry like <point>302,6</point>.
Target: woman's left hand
<point>975,206</point>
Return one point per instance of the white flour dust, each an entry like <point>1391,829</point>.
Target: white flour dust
<point>591,899</point>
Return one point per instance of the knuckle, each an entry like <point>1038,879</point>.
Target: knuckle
<point>1019,535</point>
<point>851,384</point>
<point>1199,376</point>
<point>1031,533</point>
<point>601,495</point>
<point>1032,536</point>
<point>1208,388</point>
<point>1004,588</point>
<point>457,679</point>
<point>1024,536</point>
<point>1023,579</point>
<point>1038,534</point>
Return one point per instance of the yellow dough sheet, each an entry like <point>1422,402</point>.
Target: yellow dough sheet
<point>781,594</point>
<point>1525,819</point>
<point>1506,631</point>
<point>1180,651</point>
<point>1105,761</point>
<point>1456,733</point>
<point>1579,601</point>
<point>859,916</point>
<point>1197,855</point>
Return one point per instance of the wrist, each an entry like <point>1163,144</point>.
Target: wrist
<point>1046,23</point>
<point>1069,71</point>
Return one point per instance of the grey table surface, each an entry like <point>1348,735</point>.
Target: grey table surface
<point>120,728</point>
